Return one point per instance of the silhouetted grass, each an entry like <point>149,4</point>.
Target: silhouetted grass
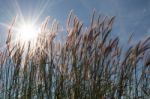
<point>89,64</point>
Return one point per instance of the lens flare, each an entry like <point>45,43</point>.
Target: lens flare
<point>27,32</point>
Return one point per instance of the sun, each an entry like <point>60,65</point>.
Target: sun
<point>27,32</point>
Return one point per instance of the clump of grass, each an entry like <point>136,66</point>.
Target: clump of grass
<point>88,64</point>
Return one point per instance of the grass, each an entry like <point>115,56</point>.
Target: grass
<point>88,64</point>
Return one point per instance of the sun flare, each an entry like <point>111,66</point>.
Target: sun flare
<point>27,32</point>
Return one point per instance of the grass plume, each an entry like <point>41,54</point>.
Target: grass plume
<point>88,64</point>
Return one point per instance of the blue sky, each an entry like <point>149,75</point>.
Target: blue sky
<point>131,15</point>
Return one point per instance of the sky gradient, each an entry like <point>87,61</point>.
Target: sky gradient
<point>131,15</point>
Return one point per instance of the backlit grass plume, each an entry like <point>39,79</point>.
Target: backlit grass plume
<point>88,64</point>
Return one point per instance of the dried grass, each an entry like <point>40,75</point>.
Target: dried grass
<point>89,64</point>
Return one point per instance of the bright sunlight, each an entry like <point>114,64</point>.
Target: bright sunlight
<point>27,32</point>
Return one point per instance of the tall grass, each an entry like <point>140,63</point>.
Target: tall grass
<point>88,64</point>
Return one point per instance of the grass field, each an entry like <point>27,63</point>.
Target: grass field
<point>89,64</point>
